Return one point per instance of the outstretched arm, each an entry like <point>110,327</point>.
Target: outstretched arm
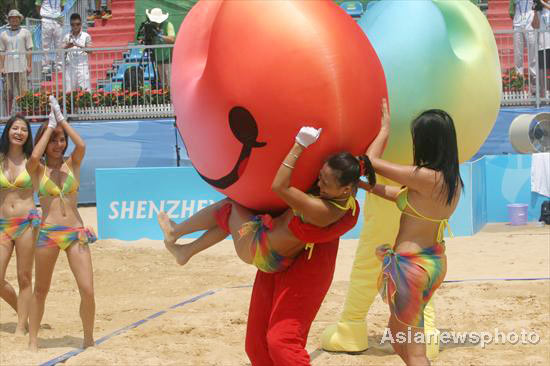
<point>376,148</point>
<point>382,190</point>
<point>314,210</point>
<point>79,146</point>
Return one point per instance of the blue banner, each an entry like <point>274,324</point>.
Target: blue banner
<point>129,200</point>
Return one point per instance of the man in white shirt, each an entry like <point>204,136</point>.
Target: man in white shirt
<point>521,11</point>
<point>15,68</point>
<point>77,72</point>
<point>50,12</point>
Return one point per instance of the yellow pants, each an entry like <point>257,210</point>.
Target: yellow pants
<point>350,333</point>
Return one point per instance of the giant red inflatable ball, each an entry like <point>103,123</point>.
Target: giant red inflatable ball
<point>246,75</point>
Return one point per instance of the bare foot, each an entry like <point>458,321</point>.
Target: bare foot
<point>182,253</point>
<point>20,331</point>
<point>33,346</point>
<point>167,227</point>
<point>88,343</point>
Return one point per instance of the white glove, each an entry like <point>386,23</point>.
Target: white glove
<point>56,109</point>
<point>308,135</point>
<point>52,122</point>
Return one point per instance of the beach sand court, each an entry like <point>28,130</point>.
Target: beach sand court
<point>134,280</point>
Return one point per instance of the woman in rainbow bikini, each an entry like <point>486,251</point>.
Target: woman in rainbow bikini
<point>295,253</point>
<point>62,227</point>
<point>416,264</point>
<point>18,216</point>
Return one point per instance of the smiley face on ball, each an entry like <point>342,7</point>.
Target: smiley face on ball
<point>247,75</point>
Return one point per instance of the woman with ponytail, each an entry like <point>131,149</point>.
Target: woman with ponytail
<point>295,253</point>
<point>415,265</point>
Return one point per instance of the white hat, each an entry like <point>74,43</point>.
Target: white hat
<point>15,13</point>
<point>156,15</point>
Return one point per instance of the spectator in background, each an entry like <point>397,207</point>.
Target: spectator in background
<point>15,68</point>
<point>50,12</point>
<point>77,72</point>
<point>102,12</point>
<point>541,21</point>
<point>158,30</point>
<point>521,11</point>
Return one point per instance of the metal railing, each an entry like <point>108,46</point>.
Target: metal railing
<point>92,83</point>
<point>133,81</point>
<point>525,67</point>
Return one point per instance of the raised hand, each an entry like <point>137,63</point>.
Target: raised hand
<point>56,109</point>
<point>308,135</point>
<point>52,121</point>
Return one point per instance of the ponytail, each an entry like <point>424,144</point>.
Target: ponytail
<point>351,168</point>
<point>367,170</point>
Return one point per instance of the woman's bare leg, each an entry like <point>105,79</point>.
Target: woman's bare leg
<point>203,220</point>
<point>45,263</point>
<point>7,292</point>
<point>416,352</point>
<point>184,252</point>
<point>24,250</point>
<point>399,348</point>
<point>239,215</point>
<point>80,261</point>
<point>413,353</point>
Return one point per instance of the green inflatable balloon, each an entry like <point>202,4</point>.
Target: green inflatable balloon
<point>436,54</point>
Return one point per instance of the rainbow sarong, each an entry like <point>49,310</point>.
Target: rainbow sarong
<point>264,257</point>
<point>409,280</point>
<point>51,236</point>
<point>12,228</point>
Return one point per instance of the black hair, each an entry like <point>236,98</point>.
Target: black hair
<point>435,147</point>
<point>351,168</point>
<point>41,131</point>
<point>75,16</point>
<point>5,140</point>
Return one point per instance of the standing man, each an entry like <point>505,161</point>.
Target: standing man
<point>77,72</point>
<point>50,12</point>
<point>16,67</point>
<point>162,32</point>
<point>521,11</point>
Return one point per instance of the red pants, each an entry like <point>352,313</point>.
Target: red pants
<point>283,306</point>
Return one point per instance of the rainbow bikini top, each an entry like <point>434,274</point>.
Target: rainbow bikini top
<point>47,186</point>
<point>402,203</point>
<point>23,181</point>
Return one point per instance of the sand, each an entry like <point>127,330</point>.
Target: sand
<point>134,280</point>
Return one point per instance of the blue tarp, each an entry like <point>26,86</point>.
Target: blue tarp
<point>124,144</point>
<point>498,142</point>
